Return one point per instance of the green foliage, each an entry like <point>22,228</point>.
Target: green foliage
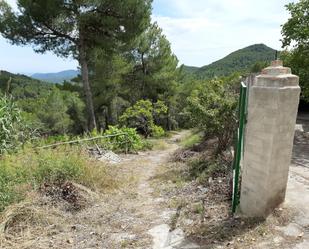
<point>43,106</point>
<point>8,179</point>
<point>188,69</point>
<point>58,112</point>
<point>298,61</point>
<point>145,70</point>
<point>21,172</point>
<point>295,31</point>
<point>28,169</point>
<point>258,66</point>
<point>54,114</point>
<point>141,116</point>
<point>74,29</point>
<point>154,68</point>
<point>192,139</point>
<point>23,87</point>
<point>110,97</point>
<point>157,131</point>
<point>57,171</point>
<point>212,107</point>
<point>11,132</point>
<point>239,61</point>
<point>128,142</point>
<point>52,25</point>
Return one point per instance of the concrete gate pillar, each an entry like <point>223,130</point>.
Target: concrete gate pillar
<point>272,110</point>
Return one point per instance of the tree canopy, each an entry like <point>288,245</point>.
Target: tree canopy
<point>295,33</point>
<point>74,28</point>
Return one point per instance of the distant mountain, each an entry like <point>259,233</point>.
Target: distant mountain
<point>22,86</point>
<point>189,69</point>
<point>239,61</point>
<point>56,77</point>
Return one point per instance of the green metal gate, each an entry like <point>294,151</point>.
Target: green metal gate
<point>242,110</point>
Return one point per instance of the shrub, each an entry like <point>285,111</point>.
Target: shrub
<point>141,116</point>
<point>157,131</point>
<point>130,141</point>
<point>212,107</point>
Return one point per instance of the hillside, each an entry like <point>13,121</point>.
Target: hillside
<point>22,86</point>
<point>238,61</point>
<point>56,77</point>
<point>189,69</point>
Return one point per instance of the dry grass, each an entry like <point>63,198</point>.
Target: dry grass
<point>203,208</point>
<point>159,144</point>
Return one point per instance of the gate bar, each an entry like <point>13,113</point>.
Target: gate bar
<point>238,153</point>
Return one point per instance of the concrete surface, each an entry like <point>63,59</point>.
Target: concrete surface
<point>272,111</point>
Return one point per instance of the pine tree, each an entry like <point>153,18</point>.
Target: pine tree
<point>74,28</point>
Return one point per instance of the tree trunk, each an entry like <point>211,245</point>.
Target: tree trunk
<point>144,75</point>
<point>85,78</point>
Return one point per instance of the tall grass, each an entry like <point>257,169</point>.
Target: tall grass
<point>193,138</point>
<point>29,169</point>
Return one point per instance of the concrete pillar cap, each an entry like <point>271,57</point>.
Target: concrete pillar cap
<point>276,69</point>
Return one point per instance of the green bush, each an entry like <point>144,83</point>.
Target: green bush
<point>141,116</point>
<point>128,142</point>
<point>212,108</point>
<point>157,131</point>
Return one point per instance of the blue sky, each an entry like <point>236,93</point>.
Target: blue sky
<point>200,31</point>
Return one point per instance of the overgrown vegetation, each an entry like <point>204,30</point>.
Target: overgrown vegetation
<point>13,131</point>
<point>142,115</point>
<point>212,107</point>
<point>130,88</point>
<point>194,138</point>
<point>295,33</point>
<point>31,170</point>
<point>129,141</point>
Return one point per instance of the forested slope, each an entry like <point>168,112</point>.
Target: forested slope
<point>239,61</point>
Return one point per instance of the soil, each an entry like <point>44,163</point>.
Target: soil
<point>157,207</point>
<point>130,217</point>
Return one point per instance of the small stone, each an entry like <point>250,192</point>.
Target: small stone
<point>70,241</point>
<point>301,235</point>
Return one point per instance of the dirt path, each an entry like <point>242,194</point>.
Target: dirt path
<point>133,216</point>
<point>139,214</point>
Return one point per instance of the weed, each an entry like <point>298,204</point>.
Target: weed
<point>191,139</point>
<point>30,169</point>
<point>199,208</point>
<point>158,144</point>
<point>202,169</point>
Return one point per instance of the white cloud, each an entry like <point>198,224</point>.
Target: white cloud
<point>12,3</point>
<point>202,31</point>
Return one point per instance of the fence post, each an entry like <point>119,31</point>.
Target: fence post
<point>239,145</point>
<point>272,110</point>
